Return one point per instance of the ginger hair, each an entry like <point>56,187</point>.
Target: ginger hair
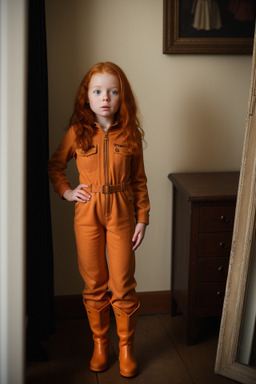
<point>83,117</point>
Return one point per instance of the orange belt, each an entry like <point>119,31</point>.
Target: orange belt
<point>106,189</point>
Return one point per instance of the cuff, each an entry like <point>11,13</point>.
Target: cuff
<point>142,218</point>
<point>62,188</point>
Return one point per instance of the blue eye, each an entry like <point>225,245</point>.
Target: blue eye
<point>114,92</point>
<point>97,92</point>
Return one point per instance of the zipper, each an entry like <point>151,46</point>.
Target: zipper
<point>106,171</point>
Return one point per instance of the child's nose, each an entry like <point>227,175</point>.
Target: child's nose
<point>105,96</point>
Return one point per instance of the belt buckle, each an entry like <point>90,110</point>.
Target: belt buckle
<point>106,189</point>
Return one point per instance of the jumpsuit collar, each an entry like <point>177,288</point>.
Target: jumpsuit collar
<point>114,125</point>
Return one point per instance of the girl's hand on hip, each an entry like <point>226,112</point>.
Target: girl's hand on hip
<point>77,194</point>
<point>138,235</point>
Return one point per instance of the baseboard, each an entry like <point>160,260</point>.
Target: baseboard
<point>71,306</point>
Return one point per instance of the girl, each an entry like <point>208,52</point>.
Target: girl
<point>112,204</point>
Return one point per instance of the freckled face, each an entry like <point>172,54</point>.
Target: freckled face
<point>104,96</point>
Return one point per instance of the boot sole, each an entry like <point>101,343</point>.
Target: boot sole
<point>130,374</point>
<point>98,369</point>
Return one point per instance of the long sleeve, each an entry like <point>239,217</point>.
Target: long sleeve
<point>58,163</point>
<point>139,187</point>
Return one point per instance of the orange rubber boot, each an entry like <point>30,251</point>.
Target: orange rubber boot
<point>99,324</point>
<point>126,325</point>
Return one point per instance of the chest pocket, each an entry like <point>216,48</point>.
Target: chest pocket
<point>122,159</point>
<point>88,160</point>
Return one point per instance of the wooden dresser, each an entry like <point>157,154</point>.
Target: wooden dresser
<point>203,218</point>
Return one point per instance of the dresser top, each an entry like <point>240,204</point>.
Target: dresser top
<point>207,186</point>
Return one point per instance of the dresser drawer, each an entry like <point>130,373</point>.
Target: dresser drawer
<point>216,218</point>
<point>214,244</point>
<point>210,295</point>
<point>212,270</point>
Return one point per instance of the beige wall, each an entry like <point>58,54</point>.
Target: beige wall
<point>193,108</point>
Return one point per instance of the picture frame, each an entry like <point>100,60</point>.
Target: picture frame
<point>236,347</point>
<point>183,34</point>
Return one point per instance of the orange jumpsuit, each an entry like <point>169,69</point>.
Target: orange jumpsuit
<point>119,197</point>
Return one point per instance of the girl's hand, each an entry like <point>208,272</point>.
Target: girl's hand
<point>77,194</point>
<point>138,235</point>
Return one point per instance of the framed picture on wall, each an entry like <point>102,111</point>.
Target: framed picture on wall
<point>209,26</point>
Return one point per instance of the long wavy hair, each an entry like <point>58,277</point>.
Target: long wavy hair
<point>127,116</point>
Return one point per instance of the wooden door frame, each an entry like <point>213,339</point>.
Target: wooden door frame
<point>13,47</point>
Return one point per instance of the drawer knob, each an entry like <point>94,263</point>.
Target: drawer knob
<point>220,268</point>
<point>224,219</point>
<point>223,244</point>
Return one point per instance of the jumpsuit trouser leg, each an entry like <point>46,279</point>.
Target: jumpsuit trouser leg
<point>92,263</point>
<point>121,264</point>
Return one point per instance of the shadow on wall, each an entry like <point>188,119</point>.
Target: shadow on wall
<point>67,65</point>
<point>67,277</point>
<point>204,141</point>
